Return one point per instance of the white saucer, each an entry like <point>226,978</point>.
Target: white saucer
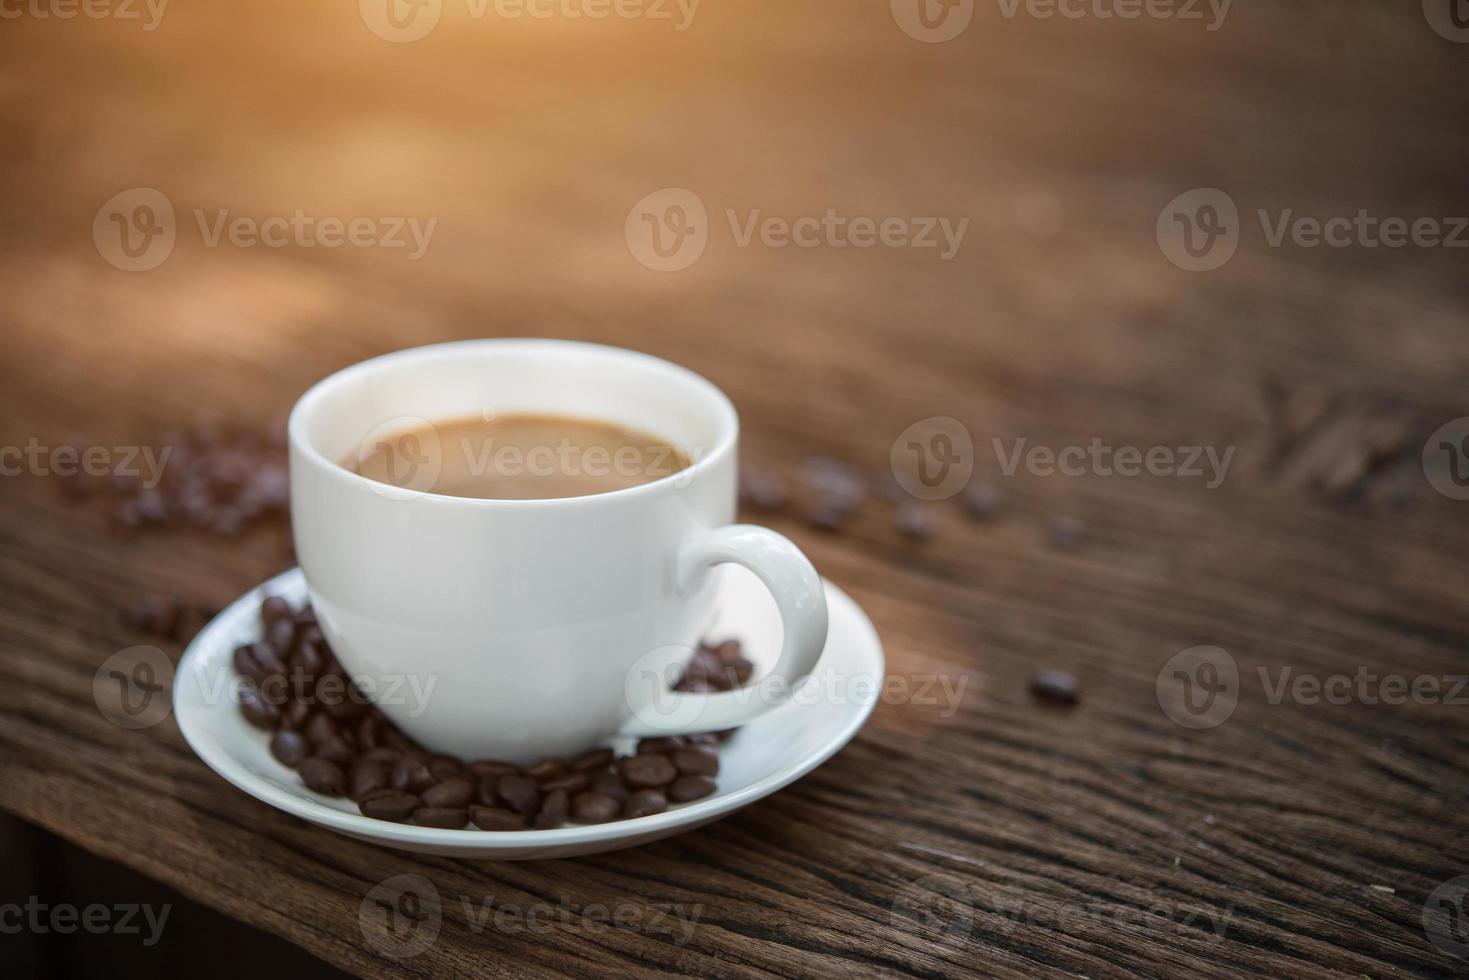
<point>764,756</point>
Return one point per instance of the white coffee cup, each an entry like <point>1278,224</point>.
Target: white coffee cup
<point>524,629</point>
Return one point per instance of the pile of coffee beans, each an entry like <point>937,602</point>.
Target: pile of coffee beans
<point>214,479</point>
<point>324,728</point>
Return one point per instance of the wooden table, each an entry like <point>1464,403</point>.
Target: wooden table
<point>1001,837</point>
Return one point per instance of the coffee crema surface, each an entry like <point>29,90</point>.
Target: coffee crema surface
<point>518,457</point>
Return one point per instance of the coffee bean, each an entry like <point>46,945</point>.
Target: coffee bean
<point>442,817</point>
<point>444,767</point>
<point>273,608</point>
<point>335,749</point>
<point>666,743</point>
<point>687,788</point>
<point>571,782</point>
<point>451,792</point>
<point>289,748</point>
<point>728,651</point>
<point>158,615</point>
<point>489,767</point>
<point>647,771</point>
<point>388,804</point>
<point>913,521</point>
<point>594,808</point>
<point>246,665</point>
<point>703,740</point>
<point>519,793</point>
<point>295,715</point>
<point>1066,532</point>
<point>323,776</point>
<point>365,777</point>
<point>763,489</point>
<point>256,708</point>
<point>554,809</point>
<point>491,818</point>
<point>411,774</point>
<point>280,634</point>
<point>696,762</point>
<point>320,728</point>
<point>608,783</point>
<point>981,501</point>
<point>367,731</point>
<point>548,769</point>
<point>644,803</point>
<point>382,754</point>
<point>484,791</point>
<point>829,514</point>
<point>1055,687</point>
<point>592,760</point>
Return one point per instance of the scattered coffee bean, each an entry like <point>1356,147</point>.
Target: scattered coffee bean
<point>981,500</point>
<point>594,808</point>
<point>450,793</point>
<point>442,817</point>
<point>554,810</point>
<point>608,783</point>
<point>274,608</point>
<point>646,771</point>
<point>289,748</point>
<point>388,804</point>
<point>696,762</point>
<point>156,614</point>
<point>644,803</point>
<point>913,520</point>
<point>829,514</point>
<point>687,788</point>
<point>444,767</point>
<point>1055,687</point>
<point>1066,532</point>
<point>763,489</point>
<point>257,709</point>
<point>488,767</point>
<point>492,818</point>
<point>519,793</point>
<point>320,728</point>
<point>323,777</point>
<point>335,749</point>
<point>295,715</point>
<point>571,782</point>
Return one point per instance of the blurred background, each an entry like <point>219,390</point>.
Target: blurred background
<point>178,182</point>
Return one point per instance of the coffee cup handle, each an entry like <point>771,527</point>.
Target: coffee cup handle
<point>801,600</point>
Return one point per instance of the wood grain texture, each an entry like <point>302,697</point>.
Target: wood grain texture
<point>998,839</point>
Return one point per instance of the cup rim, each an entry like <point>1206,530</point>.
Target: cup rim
<point>728,418</point>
